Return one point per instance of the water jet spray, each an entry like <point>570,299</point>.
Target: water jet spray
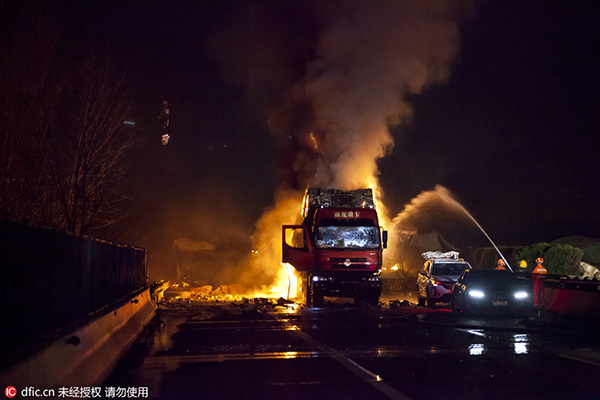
<point>445,195</point>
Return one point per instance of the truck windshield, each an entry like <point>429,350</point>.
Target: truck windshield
<point>347,237</point>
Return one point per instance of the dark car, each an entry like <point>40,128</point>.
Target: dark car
<point>491,291</point>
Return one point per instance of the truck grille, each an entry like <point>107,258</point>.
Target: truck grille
<point>349,263</point>
<point>342,259</point>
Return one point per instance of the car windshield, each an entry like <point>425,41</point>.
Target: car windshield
<point>488,276</point>
<point>450,268</point>
<point>347,237</point>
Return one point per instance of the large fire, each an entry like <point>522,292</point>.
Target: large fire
<point>287,282</point>
<point>263,274</point>
<point>266,260</point>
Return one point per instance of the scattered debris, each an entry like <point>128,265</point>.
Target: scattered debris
<point>205,290</point>
<point>395,304</point>
<point>263,301</point>
<point>589,271</point>
<point>171,293</point>
<point>283,302</point>
<point>157,290</point>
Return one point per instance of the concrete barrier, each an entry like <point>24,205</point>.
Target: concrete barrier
<point>87,356</point>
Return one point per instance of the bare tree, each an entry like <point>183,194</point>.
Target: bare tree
<point>62,138</point>
<point>86,158</point>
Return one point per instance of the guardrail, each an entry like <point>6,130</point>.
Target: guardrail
<point>54,281</point>
<point>87,355</point>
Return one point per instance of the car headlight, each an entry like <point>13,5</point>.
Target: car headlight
<point>319,278</point>
<point>521,294</point>
<point>476,293</point>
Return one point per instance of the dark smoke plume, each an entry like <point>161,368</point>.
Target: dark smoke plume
<point>339,71</point>
<point>332,78</point>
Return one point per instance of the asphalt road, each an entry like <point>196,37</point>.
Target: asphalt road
<point>209,350</point>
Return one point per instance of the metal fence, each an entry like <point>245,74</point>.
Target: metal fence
<point>52,281</point>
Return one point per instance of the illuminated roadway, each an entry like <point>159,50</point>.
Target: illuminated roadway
<point>245,351</point>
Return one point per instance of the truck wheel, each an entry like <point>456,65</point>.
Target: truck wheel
<point>308,290</point>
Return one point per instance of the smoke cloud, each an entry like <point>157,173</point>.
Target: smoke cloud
<point>341,75</point>
<point>369,59</point>
<point>436,211</point>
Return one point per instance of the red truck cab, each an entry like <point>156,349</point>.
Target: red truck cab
<point>338,248</point>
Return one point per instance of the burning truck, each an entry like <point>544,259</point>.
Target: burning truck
<point>337,250</point>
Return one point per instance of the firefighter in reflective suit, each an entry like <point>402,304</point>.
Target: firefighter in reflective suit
<point>500,264</point>
<point>538,274</point>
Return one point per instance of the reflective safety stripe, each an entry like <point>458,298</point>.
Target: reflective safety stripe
<point>540,270</point>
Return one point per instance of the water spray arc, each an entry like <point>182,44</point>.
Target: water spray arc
<point>443,192</point>
<point>491,241</point>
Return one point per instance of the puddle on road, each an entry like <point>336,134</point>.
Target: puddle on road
<point>519,343</point>
<point>163,336</point>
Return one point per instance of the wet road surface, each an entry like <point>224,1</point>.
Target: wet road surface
<point>251,351</point>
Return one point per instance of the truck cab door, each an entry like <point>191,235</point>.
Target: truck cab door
<point>297,249</point>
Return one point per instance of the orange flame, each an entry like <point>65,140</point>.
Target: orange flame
<point>313,141</point>
<point>263,273</point>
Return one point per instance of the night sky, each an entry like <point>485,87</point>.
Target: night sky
<point>514,133</point>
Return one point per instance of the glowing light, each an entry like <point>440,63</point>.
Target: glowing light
<point>305,203</point>
<point>313,141</point>
<point>394,268</point>
<point>476,293</point>
<point>476,349</point>
<point>521,295</point>
<point>286,284</point>
<point>478,332</point>
<point>521,348</point>
<point>521,344</point>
